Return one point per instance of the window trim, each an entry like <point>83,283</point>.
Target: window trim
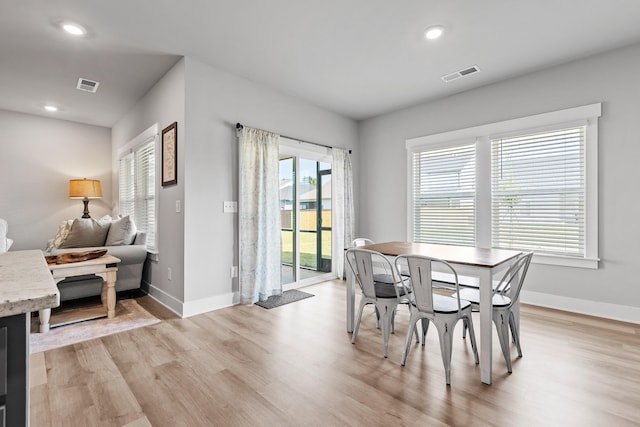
<point>587,114</point>
<point>143,138</point>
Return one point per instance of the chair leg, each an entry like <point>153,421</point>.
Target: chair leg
<point>407,345</point>
<point>393,321</point>
<point>385,324</point>
<point>446,346</point>
<point>464,328</point>
<point>515,333</point>
<point>354,335</point>
<point>502,327</point>
<point>425,327</point>
<point>468,322</point>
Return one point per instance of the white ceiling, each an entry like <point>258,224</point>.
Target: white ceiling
<point>359,58</point>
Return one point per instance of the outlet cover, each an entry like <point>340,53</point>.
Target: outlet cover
<point>230,207</point>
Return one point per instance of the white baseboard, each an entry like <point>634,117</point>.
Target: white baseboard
<point>169,301</point>
<point>622,313</point>
<point>191,308</point>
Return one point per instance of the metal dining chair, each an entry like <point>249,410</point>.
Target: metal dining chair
<point>385,294</point>
<point>428,306</point>
<point>381,274</point>
<point>361,241</point>
<point>505,295</point>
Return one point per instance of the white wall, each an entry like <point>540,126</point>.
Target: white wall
<point>199,244</point>
<point>612,78</point>
<point>215,102</point>
<point>163,104</point>
<point>38,156</point>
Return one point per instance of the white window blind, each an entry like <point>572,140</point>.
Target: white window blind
<point>538,192</point>
<point>137,179</point>
<point>125,189</point>
<point>443,192</point>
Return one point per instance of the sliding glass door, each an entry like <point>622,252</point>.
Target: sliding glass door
<point>305,210</point>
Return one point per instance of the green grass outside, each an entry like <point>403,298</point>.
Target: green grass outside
<point>307,248</point>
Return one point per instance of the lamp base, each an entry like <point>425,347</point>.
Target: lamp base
<point>85,213</point>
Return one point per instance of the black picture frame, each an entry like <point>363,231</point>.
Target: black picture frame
<point>170,155</point>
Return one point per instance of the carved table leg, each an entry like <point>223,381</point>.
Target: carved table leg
<point>103,294</point>
<point>108,294</point>
<point>45,316</point>
<point>111,294</point>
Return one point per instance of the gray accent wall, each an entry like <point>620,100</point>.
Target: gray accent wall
<point>612,78</point>
<point>163,104</point>
<point>215,102</point>
<point>38,156</point>
<point>200,243</point>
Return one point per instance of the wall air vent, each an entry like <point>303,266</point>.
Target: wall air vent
<point>459,74</point>
<point>87,85</point>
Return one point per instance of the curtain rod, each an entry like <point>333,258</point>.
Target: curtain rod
<point>240,126</point>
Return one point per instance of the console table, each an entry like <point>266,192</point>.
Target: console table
<point>105,267</point>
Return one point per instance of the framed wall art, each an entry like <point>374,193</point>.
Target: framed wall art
<point>170,154</point>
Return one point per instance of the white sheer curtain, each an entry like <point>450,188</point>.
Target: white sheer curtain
<point>342,209</point>
<point>258,215</point>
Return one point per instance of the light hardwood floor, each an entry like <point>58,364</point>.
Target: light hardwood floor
<point>295,366</point>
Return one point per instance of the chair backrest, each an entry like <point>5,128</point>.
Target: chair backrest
<point>361,241</point>
<point>511,283</point>
<point>420,270</point>
<point>366,264</point>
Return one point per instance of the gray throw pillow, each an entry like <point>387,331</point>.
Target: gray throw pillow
<point>87,232</point>
<point>122,232</point>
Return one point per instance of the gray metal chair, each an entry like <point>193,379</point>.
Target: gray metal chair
<point>361,241</point>
<point>384,291</point>
<point>505,295</point>
<point>444,311</point>
<point>381,274</point>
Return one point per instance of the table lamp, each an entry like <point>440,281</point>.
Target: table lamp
<point>85,189</point>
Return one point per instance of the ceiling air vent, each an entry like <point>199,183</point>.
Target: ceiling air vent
<point>87,85</point>
<point>459,74</point>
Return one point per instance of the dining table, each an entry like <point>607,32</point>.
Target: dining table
<point>483,263</point>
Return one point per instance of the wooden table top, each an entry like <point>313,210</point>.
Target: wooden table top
<point>466,255</point>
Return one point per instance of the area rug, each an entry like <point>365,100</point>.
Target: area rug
<point>129,315</point>
<point>287,297</point>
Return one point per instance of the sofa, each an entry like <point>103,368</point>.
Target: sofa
<point>118,236</point>
<point>5,242</point>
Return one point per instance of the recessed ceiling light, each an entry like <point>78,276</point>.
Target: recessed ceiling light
<point>434,32</point>
<point>74,29</point>
<point>51,108</point>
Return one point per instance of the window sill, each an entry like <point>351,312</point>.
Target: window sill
<point>590,263</point>
<point>153,256</point>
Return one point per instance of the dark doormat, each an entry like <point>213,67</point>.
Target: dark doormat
<point>291,295</point>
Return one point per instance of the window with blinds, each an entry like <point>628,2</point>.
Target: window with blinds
<point>443,193</point>
<point>137,179</point>
<point>125,186</point>
<point>529,183</point>
<point>538,192</point>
